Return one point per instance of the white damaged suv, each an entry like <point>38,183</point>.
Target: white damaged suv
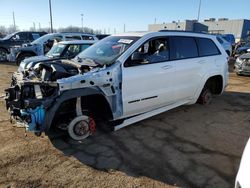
<point>118,81</point>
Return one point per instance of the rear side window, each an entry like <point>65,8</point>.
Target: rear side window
<point>183,47</point>
<point>207,47</point>
<point>35,36</point>
<point>73,37</point>
<point>85,37</point>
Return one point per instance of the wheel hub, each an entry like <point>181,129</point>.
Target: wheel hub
<point>81,128</point>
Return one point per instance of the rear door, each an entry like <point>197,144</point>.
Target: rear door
<point>188,65</point>
<point>193,58</point>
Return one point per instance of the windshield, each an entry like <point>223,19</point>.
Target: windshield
<point>9,36</point>
<point>107,50</point>
<point>42,39</point>
<point>56,50</point>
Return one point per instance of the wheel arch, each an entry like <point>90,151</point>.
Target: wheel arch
<point>25,52</point>
<point>205,80</point>
<point>2,47</point>
<point>215,84</point>
<point>94,93</point>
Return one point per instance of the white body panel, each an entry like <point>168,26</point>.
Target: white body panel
<point>242,179</point>
<point>147,87</point>
<point>165,85</point>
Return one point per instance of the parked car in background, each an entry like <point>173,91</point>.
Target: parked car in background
<point>17,38</point>
<point>242,64</point>
<point>102,36</point>
<point>229,38</point>
<point>242,49</point>
<point>61,50</point>
<point>118,81</point>
<point>43,44</point>
<point>225,44</point>
<point>242,178</point>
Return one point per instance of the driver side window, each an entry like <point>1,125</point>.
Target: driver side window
<point>153,51</point>
<point>20,37</point>
<point>73,50</point>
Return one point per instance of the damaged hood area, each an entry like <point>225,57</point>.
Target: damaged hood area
<point>29,62</point>
<point>52,70</point>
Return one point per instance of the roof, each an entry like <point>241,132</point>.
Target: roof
<point>78,42</point>
<point>134,34</point>
<point>163,32</point>
<point>81,33</point>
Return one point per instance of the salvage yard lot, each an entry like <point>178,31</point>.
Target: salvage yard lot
<point>190,146</point>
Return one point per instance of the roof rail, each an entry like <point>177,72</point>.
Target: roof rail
<point>76,32</point>
<point>165,30</point>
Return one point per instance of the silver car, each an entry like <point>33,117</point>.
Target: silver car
<point>242,64</point>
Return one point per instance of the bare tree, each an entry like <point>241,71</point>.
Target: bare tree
<point>7,30</point>
<point>78,29</point>
<point>12,29</point>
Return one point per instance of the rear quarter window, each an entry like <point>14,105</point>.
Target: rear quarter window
<point>73,37</point>
<point>35,36</point>
<point>207,47</point>
<point>84,37</point>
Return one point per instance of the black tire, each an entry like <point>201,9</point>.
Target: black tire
<point>238,74</point>
<point>21,57</point>
<point>3,54</point>
<point>205,97</point>
<point>38,133</point>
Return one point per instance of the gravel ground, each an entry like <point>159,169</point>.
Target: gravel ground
<point>190,146</point>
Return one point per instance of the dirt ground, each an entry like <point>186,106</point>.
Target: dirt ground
<point>190,146</point>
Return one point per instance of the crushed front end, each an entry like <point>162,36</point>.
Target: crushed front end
<point>27,101</point>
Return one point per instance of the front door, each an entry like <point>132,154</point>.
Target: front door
<point>147,78</point>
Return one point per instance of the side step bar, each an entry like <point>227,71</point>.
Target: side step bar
<point>148,115</point>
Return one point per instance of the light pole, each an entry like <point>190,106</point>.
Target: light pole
<point>50,11</point>
<point>14,21</point>
<point>82,20</point>
<point>199,11</point>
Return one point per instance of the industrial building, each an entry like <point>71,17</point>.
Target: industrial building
<point>239,28</point>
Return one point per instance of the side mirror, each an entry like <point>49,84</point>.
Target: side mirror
<point>137,56</point>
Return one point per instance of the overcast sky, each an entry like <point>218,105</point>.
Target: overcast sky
<point>113,14</point>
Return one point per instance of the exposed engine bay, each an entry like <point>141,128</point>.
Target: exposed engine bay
<point>52,71</point>
<point>41,95</point>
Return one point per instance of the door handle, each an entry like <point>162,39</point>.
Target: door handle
<point>167,67</point>
<point>201,61</point>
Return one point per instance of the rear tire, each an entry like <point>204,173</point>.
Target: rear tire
<point>3,54</point>
<point>205,97</point>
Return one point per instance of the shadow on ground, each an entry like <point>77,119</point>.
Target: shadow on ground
<point>190,146</point>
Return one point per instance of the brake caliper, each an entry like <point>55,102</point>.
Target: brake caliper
<point>92,125</point>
